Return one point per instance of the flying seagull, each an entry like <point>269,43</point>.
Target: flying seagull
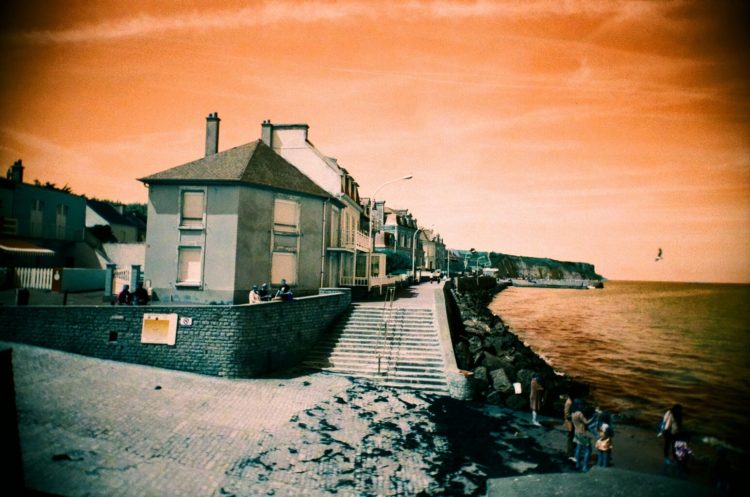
<point>659,256</point>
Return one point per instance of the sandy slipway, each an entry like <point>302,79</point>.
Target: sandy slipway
<point>93,427</point>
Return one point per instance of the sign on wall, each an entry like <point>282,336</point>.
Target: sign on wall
<point>159,328</point>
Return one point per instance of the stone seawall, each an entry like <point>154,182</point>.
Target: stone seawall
<point>493,358</point>
<point>238,341</point>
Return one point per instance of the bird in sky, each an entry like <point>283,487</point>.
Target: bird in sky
<point>659,256</point>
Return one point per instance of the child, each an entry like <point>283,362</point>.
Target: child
<point>603,445</point>
<point>682,453</point>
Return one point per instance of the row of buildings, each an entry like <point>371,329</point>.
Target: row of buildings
<point>272,209</point>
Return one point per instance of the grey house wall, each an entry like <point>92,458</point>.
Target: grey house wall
<point>218,240</point>
<point>237,242</point>
<point>234,341</point>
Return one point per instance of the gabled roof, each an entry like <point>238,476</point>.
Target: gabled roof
<point>108,212</point>
<point>253,163</point>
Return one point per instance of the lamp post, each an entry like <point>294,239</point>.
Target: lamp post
<point>372,241</point>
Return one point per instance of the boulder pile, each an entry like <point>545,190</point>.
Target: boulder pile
<point>498,364</point>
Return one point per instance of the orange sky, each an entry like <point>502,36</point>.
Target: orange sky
<point>587,131</point>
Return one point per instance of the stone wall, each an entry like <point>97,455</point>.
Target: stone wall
<point>494,358</point>
<point>238,341</point>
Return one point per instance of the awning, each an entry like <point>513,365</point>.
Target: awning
<point>24,247</point>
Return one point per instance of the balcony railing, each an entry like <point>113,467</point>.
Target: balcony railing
<point>354,280</point>
<point>355,240</point>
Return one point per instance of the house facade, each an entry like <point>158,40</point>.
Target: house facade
<point>348,244</point>
<point>39,226</point>
<point>397,238</point>
<point>234,219</point>
<point>103,214</point>
<point>433,250</point>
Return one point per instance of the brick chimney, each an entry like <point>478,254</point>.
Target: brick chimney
<point>15,172</point>
<point>266,132</point>
<point>212,134</point>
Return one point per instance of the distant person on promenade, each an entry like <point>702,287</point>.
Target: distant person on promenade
<point>568,424</point>
<point>582,436</point>
<point>140,296</point>
<point>671,428</point>
<point>254,296</point>
<point>125,297</point>
<point>535,398</point>
<point>265,296</point>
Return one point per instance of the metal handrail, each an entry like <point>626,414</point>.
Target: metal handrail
<point>390,296</point>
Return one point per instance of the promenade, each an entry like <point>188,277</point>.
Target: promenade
<point>92,427</point>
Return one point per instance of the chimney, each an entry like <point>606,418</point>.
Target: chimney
<point>212,134</point>
<point>15,172</point>
<point>266,132</point>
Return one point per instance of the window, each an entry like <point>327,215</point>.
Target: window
<point>37,218</point>
<point>285,240</point>
<point>284,266</point>
<point>334,227</point>
<point>61,220</point>
<point>192,207</point>
<point>285,215</point>
<point>189,270</point>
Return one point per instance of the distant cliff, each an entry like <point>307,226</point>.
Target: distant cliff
<point>517,266</point>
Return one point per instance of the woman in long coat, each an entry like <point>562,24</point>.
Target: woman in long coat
<point>535,398</point>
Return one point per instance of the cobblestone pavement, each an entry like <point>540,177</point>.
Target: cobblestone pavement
<point>91,427</point>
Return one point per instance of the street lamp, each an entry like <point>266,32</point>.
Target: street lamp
<point>372,241</point>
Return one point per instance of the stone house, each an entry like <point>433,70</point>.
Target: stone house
<point>233,219</point>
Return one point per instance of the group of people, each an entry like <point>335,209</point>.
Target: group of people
<point>264,294</point>
<point>586,431</point>
<point>139,297</point>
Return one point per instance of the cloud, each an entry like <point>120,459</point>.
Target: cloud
<point>271,13</point>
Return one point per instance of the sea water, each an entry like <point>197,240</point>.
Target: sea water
<point>644,346</point>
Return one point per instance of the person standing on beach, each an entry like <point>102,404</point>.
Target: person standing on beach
<point>603,445</point>
<point>568,424</point>
<point>535,398</point>
<point>671,428</point>
<point>582,437</point>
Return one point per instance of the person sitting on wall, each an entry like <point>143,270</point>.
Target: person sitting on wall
<point>263,292</point>
<point>285,292</point>
<point>140,296</point>
<point>125,297</point>
<point>255,295</point>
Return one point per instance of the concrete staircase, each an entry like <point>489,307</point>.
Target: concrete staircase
<point>407,355</point>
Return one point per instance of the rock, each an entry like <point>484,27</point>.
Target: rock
<point>500,381</point>
<point>517,402</point>
<point>494,397</point>
<point>463,356</point>
<point>495,343</point>
<point>480,379</point>
<point>475,344</point>
<point>476,327</point>
<point>491,361</point>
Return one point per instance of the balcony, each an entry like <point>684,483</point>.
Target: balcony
<point>354,280</point>
<point>355,240</point>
